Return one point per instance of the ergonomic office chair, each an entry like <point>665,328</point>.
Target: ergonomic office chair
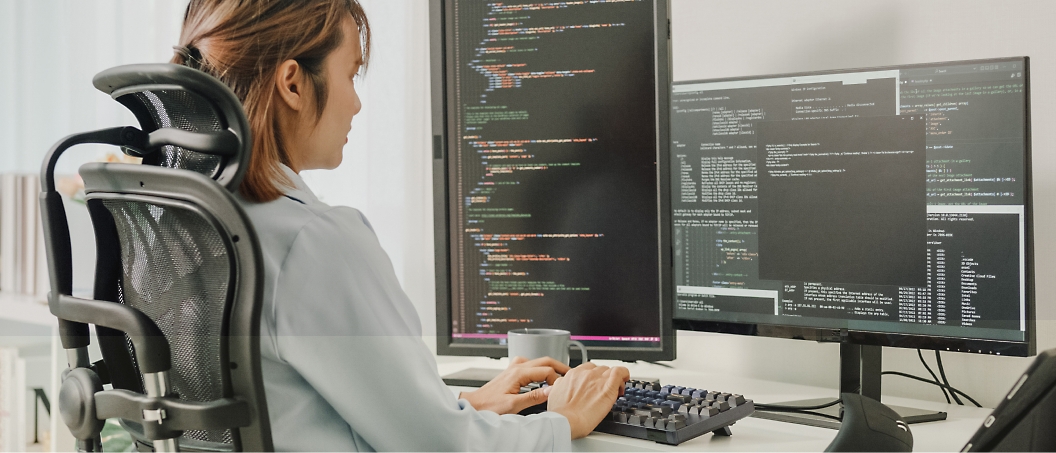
<point>178,285</point>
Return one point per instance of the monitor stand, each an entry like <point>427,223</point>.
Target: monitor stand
<point>859,373</point>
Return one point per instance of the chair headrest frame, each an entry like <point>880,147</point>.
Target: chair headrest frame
<point>122,81</point>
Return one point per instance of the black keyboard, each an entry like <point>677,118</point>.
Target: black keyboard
<point>671,414</point>
<point>668,414</point>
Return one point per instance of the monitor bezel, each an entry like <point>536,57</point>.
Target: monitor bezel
<point>443,140</point>
<point>901,340</point>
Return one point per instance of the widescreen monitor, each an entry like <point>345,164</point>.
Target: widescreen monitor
<point>550,153</point>
<point>886,206</point>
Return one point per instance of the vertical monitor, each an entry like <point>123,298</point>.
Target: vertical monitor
<point>548,161</point>
<point>887,206</point>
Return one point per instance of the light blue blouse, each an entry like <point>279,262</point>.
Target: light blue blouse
<point>345,366</point>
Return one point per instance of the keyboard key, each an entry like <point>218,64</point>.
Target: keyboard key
<point>736,400</point>
<point>674,425</point>
<point>679,398</point>
<point>656,423</point>
<point>643,412</point>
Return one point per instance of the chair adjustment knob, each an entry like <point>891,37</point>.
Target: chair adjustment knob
<point>77,403</point>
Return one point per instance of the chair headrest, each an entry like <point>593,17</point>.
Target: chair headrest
<point>172,96</point>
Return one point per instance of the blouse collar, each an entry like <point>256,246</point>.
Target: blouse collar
<point>300,191</point>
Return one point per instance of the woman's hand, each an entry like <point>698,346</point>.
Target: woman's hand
<point>586,394</point>
<point>502,394</point>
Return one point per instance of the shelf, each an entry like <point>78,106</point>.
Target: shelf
<point>25,308</point>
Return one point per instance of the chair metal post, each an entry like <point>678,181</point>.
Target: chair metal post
<point>157,386</point>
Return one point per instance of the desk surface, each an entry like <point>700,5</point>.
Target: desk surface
<point>754,434</point>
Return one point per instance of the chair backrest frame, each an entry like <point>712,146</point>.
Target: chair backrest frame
<point>241,368</point>
<point>205,118</point>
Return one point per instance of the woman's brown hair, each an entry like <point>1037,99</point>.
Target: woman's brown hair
<point>242,42</point>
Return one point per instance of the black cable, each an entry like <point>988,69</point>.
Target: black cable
<point>933,376</point>
<point>942,372</point>
<point>951,389</point>
<point>781,408</point>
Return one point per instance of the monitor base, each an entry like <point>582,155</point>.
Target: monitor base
<point>828,416</point>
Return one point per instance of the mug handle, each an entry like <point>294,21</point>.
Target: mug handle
<point>582,349</point>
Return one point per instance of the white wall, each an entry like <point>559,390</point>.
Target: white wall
<point>723,38</point>
<point>387,167</point>
<point>51,49</point>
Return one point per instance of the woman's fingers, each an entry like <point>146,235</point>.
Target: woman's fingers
<point>526,376</point>
<point>559,367</point>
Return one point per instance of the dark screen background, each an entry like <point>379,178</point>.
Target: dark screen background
<point>555,179</point>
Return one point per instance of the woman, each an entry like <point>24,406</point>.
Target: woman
<point>345,366</point>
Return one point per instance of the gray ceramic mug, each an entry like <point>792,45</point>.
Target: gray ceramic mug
<point>535,343</point>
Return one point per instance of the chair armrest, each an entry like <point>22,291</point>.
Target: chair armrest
<point>152,349</point>
<point>179,415</point>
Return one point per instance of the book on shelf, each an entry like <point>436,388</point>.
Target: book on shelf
<point>30,221</point>
<point>12,400</point>
<point>23,258</point>
<point>10,191</point>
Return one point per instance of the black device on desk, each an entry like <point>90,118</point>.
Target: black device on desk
<point>870,207</point>
<point>868,425</point>
<point>549,169</point>
<point>1025,420</point>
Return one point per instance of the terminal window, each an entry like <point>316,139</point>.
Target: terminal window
<point>888,200</point>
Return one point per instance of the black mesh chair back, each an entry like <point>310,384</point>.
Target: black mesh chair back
<point>186,111</point>
<point>175,248</point>
<point>176,269</point>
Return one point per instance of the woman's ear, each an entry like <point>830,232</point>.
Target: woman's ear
<point>291,84</point>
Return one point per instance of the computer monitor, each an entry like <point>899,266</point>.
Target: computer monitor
<point>548,161</point>
<point>881,207</point>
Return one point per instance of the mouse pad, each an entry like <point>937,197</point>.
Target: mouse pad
<point>471,377</point>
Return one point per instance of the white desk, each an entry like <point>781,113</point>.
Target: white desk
<point>754,434</point>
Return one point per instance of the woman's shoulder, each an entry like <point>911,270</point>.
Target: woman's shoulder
<point>282,220</point>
